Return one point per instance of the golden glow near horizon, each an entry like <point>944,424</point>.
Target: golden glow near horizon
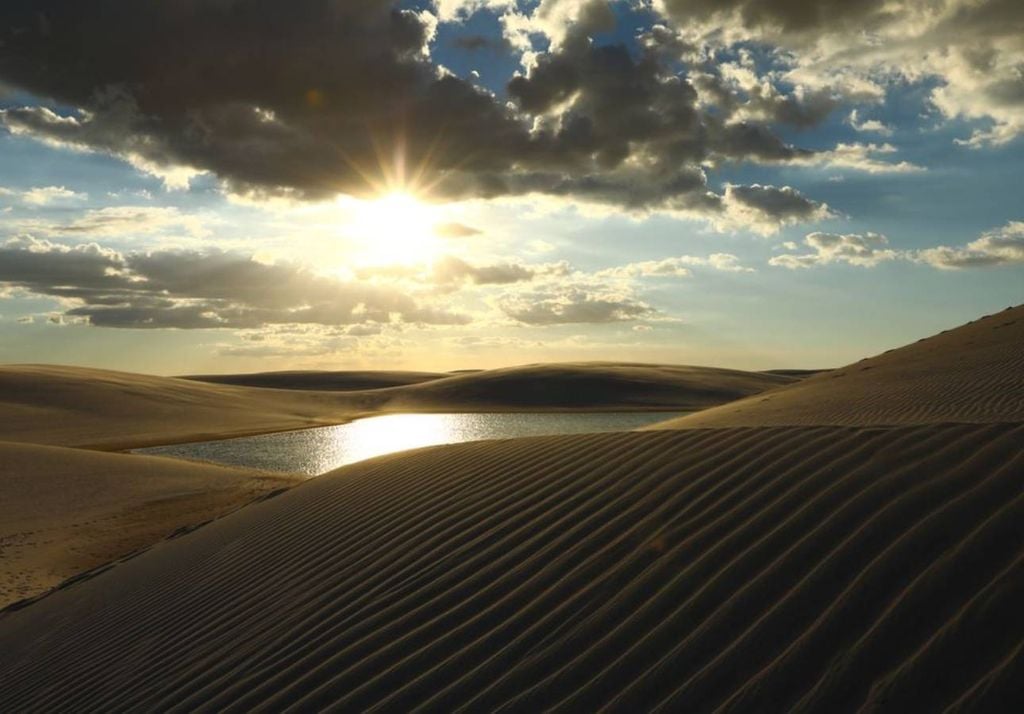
<point>396,228</point>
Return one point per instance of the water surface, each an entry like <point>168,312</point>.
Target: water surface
<point>322,449</point>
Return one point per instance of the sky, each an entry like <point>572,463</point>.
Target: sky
<point>242,185</point>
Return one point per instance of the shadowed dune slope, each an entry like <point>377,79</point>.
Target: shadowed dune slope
<point>974,373</point>
<point>347,381</point>
<point>76,406</point>
<point>63,511</point>
<point>749,569</point>
<point>587,385</point>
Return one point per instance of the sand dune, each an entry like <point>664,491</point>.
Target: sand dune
<point>774,569</point>
<point>974,373</point>
<point>587,385</point>
<point>75,406</point>
<point>346,381</point>
<point>789,568</point>
<point>64,511</point>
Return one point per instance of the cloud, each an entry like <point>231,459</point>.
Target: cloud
<point>449,272</point>
<point>973,49</point>
<point>46,195</point>
<point>455,230</point>
<point>767,208</point>
<point>43,195</point>
<point>868,125</point>
<point>573,305</point>
<point>290,346</point>
<point>678,266</point>
<point>1003,246</point>
<point>333,97</point>
<point>746,94</point>
<point>120,221</point>
<point>860,157</point>
<point>865,250</point>
<point>665,268</point>
<point>199,289</point>
<point>452,10</point>
<point>450,269</point>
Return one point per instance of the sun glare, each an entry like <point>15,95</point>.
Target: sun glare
<point>395,228</point>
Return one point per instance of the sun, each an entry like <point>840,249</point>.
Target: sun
<point>395,228</point>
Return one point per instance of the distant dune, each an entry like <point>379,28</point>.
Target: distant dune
<point>798,373</point>
<point>75,406</point>
<point>64,511</point>
<point>789,568</point>
<point>974,373</point>
<point>345,381</point>
<point>588,385</point>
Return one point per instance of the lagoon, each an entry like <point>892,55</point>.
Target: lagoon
<point>318,450</point>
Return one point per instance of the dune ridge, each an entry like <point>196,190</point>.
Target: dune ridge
<point>745,569</point>
<point>586,385</point>
<point>974,373</point>
<point>325,381</point>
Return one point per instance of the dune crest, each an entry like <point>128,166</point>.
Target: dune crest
<point>345,381</point>
<point>974,373</point>
<point>587,385</point>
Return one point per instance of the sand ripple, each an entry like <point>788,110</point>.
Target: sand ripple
<point>746,569</point>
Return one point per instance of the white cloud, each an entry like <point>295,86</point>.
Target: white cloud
<point>971,47</point>
<point>1002,246</point>
<point>859,157</point>
<point>453,10</point>
<point>865,250</point>
<point>43,195</point>
<point>766,209</point>
<point>122,222</point>
<point>572,305</point>
<point>872,126</point>
<point>678,266</point>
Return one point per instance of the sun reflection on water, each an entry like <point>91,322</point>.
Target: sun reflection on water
<point>367,438</point>
<point>322,449</point>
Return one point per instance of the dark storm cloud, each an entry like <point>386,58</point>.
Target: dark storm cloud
<point>190,289</point>
<point>317,97</point>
